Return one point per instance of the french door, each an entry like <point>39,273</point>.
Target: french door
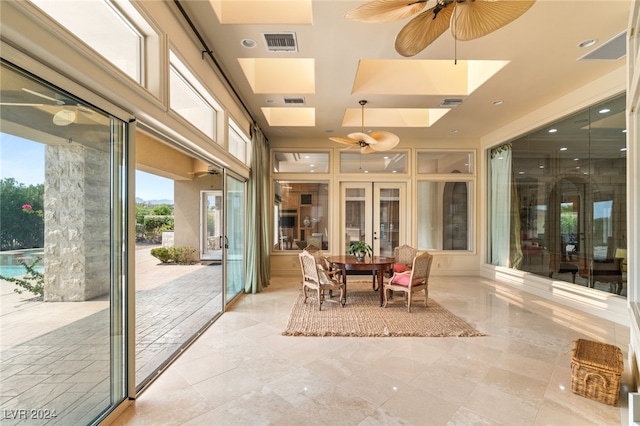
<point>375,213</point>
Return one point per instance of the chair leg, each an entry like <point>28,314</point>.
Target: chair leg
<point>304,290</point>
<point>426,296</point>
<point>409,293</point>
<point>319,299</point>
<point>386,296</point>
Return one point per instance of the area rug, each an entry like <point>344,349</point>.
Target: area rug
<point>363,316</point>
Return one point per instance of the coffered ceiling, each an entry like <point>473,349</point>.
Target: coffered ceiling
<point>463,89</point>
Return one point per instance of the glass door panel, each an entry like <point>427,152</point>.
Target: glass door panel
<point>387,220</point>
<point>212,238</point>
<point>235,237</point>
<point>63,233</point>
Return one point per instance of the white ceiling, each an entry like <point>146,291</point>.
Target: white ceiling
<point>541,50</point>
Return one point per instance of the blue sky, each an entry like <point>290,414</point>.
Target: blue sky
<point>23,160</point>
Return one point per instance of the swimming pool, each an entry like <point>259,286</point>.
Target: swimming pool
<point>11,271</point>
<point>10,261</point>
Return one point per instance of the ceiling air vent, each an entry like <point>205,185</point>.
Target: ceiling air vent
<point>451,103</point>
<point>611,50</point>
<point>294,101</point>
<point>281,42</point>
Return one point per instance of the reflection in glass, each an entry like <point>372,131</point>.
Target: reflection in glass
<point>445,162</point>
<point>301,215</point>
<point>300,162</point>
<point>569,199</point>
<point>377,162</point>
<point>444,215</point>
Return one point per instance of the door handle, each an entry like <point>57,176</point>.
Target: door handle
<point>226,242</point>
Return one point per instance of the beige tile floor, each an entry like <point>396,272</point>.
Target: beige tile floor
<point>241,371</point>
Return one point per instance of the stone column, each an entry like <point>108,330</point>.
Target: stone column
<point>77,209</point>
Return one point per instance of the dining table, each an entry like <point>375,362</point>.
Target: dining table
<point>378,265</point>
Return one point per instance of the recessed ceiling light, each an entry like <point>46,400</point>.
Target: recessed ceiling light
<point>604,110</point>
<point>541,166</point>
<point>271,101</point>
<point>576,159</point>
<point>623,149</point>
<point>587,43</point>
<point>455,131</point>
<point>248,43</point>
<point>624,130</point>
<point>553,130</point>
<point>520,173</point>
<point>498,102</point>
<point>563,149</point>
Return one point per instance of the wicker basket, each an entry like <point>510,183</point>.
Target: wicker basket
<point>596,369</point>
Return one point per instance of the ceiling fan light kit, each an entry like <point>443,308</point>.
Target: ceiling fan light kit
<point>468,19</point>
<point>378,140</point>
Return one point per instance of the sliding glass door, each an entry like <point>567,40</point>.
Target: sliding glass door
<point>235,236</point>
<point>61,261</point>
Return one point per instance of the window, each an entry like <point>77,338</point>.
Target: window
<point>377,162</point>
<point>300,162</point>
<point>104,28</point>
<point>444,215</point>
<point>301,215</point>
<point>238,143</point>
<point>445,162</point>
<point>445,202</point>
<point>190,99</point>
<point>559,196</point>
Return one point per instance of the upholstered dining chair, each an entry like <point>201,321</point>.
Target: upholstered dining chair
<point>411,281</point>
<point>316,278</point>
<point>403,255</point>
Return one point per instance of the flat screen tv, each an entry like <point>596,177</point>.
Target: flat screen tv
<point>287,221</point>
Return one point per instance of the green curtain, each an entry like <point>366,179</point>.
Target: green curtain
<point>500,205</point>
<point>258,272</point>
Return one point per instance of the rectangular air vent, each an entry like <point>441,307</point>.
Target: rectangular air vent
<point>451,103</point>
<point>611,50</point>
<point>294,101</point>
<point>281,42</point>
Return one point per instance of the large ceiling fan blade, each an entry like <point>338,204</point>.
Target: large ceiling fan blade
<point>385,10</point>
<point>474,19</point>
<point>422,30</point>
<point>345,141</point>
<point>367,149</point>
<point>385,140</point>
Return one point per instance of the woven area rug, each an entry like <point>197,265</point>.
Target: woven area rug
<point>363,316</point>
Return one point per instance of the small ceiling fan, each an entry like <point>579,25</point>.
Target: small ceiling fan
<point>468,19</point>
<point>378,140</point>
<point>64,112</point>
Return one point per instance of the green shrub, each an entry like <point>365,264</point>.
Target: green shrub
<point>162,254</point>
<point>179,255</point>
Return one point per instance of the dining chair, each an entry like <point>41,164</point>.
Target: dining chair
<point>403,256</point>
<point>323,282</point>
<point>412,281</point>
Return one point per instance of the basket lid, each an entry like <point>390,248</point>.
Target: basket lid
<point>599,355</point>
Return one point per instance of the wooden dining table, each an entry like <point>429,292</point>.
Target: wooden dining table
<point>375,264</point>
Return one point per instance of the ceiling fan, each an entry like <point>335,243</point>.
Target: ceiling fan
<point>378,140</point>
<point>64,112</point>
<point>468,19</point>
